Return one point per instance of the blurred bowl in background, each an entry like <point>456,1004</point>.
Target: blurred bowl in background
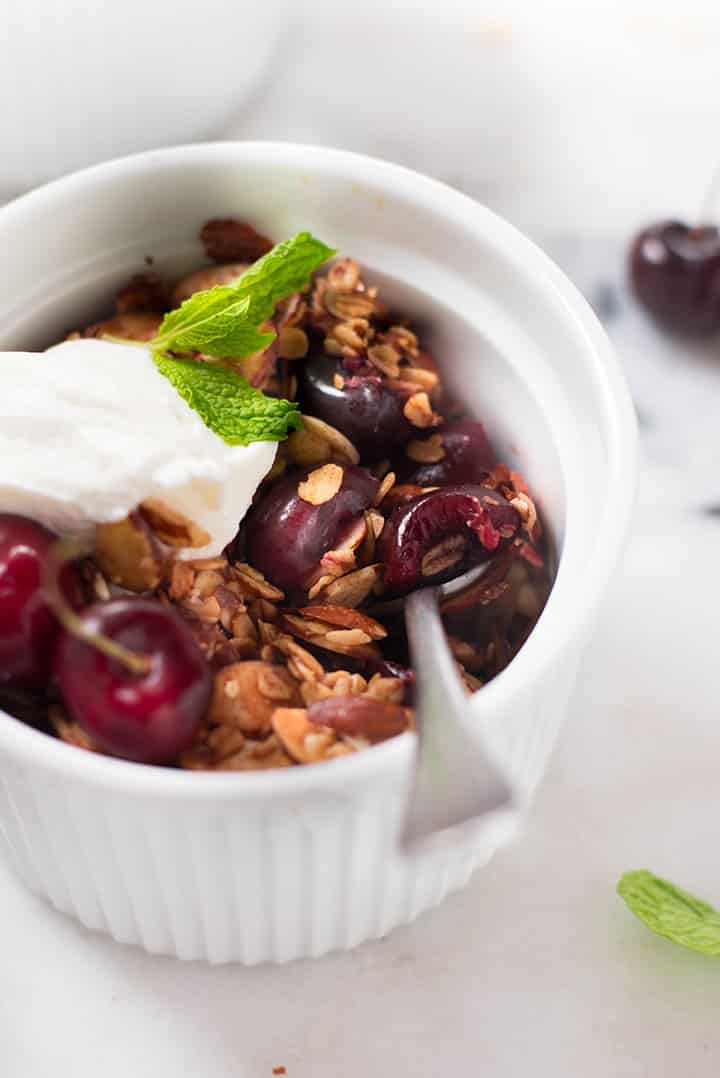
<point>81,83</point>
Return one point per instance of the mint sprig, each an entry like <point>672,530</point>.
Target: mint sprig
<point>671,912</point>
<point>223,321</point>
<point>228,404</point>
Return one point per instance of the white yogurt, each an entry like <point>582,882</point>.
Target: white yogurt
<point>89,429</point>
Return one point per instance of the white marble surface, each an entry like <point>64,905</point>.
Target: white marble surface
<point>536,968</point>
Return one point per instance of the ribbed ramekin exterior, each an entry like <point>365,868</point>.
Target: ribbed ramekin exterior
<point>250,880</point>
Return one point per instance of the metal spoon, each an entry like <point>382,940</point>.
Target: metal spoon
<point>454,779</point>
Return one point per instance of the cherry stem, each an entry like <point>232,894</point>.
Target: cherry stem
<point>63,551</point>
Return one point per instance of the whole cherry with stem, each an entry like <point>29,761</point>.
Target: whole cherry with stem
<point>129,671</point>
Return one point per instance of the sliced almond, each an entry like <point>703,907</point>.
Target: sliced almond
<point>346,618</point>
<point>352,589</point>
<point>171,526</point>
<point>322,484</point>
<point>348,638</point>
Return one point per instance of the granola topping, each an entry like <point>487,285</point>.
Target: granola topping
<point>299,619</point>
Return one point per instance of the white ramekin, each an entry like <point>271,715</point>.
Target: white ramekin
<point>269,866</point>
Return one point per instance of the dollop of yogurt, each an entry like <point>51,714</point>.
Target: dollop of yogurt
<point>89,429</point>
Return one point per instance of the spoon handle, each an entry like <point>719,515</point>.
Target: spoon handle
<point>454,779</point>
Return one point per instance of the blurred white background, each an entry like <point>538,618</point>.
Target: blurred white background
<point>561,116</point>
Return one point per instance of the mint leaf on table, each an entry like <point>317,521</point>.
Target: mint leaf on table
<point>229,405</point>
<point>223,321</point>
<point>671,912</point>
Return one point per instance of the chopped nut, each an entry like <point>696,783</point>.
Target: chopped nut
<point>322,484</point>
<point>349,305</point>
<point>348,338</point>
<point>417,410</point>
<point>226,239</point>
<point>338,381</point>
<point>292,343</point>
<point>128,554</point>
<point>403,340</point>
<point>386,688</point>
<point>246,693</point>
<point>344,275</point>
<point>428,451</point>
<point>206,582</point>
<point>172,527</point>
<point>256,756</point>
<point>526,508</point>
<point>301,664</point>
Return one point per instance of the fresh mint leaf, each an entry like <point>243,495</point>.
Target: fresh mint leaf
<point>228,404</point>
<point>223,321</point>
<point>671,912</point>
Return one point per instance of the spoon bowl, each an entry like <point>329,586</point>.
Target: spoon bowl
<point>455,779</point>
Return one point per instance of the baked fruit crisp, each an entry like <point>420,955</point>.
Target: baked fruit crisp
<point>287,646</point>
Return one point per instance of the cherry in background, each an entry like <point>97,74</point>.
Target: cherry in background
<point>675,274</point>
<point>28,628</point>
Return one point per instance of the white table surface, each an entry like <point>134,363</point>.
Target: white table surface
<point>536,968</point>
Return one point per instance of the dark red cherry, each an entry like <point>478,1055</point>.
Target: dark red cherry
<point>152,716</point>
<point>432,537</point>
<point>286,536</point>
<point>364,408</point>
<point>675,273</point>
<point>468,457</point>
<point>28,628</point>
